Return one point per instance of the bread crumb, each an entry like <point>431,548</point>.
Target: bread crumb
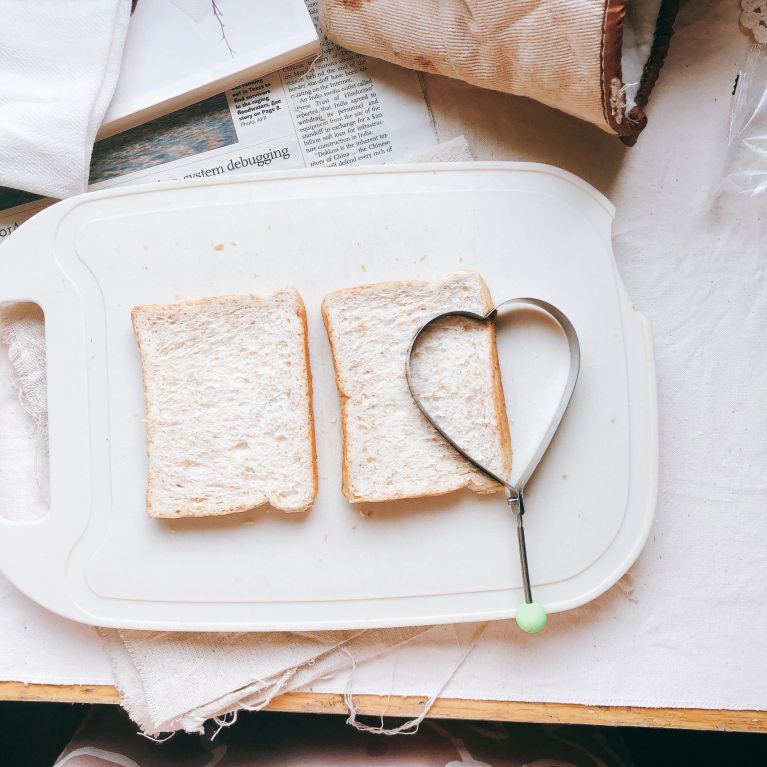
<point>218,246</point>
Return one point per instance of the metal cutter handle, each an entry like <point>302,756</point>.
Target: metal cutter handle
<point>530,616</point>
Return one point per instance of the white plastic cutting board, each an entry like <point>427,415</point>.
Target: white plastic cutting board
<point>530,230</point>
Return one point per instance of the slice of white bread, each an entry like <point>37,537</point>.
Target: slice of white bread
<point>390,450</point>
<point>228,395</point>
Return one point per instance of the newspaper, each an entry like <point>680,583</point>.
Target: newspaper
<point>340,109</point>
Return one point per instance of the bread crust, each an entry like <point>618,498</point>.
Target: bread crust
<point>499,400</point>
<point>156,310</point>
<point>499,395</point>
<point>342,396</point>
<point>309,398</point>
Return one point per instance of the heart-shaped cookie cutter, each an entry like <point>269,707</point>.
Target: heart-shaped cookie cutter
<point>530,616</point>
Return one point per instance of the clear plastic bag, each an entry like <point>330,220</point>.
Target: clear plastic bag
<point>746,165</point>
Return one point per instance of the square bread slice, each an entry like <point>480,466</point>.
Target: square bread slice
<point>229,421</point>
<point>390,451</point>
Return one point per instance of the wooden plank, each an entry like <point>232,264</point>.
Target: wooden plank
<point>55,693</point>
<point>446,708</point>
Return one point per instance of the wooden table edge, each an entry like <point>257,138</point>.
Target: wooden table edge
<point>728,720</point>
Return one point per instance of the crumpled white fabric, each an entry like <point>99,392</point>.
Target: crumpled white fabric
<point>24,478</point>
<point>172,681</point>
<point>60,63</point>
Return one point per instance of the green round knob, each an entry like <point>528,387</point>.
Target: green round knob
<point>531,617</point>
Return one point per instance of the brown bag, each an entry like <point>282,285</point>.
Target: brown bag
<point>595,59</point>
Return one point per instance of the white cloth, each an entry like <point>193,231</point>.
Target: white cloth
<point>688,628</point>
<point>24,446</point>
<point>59,63</point>
<point>170,681</point>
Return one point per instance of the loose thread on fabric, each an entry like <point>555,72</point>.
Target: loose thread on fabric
<point>407,728</point>
<point>411,726</point>
<point>395,666</point>
<point>626,585</point>
<point>392,677</point>
<point>310,70</point>
<point>157,738</point>
<point>224,720</point>
<point>274,690</point>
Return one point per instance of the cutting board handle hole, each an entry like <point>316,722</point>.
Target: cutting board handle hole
<point>23,402</point>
